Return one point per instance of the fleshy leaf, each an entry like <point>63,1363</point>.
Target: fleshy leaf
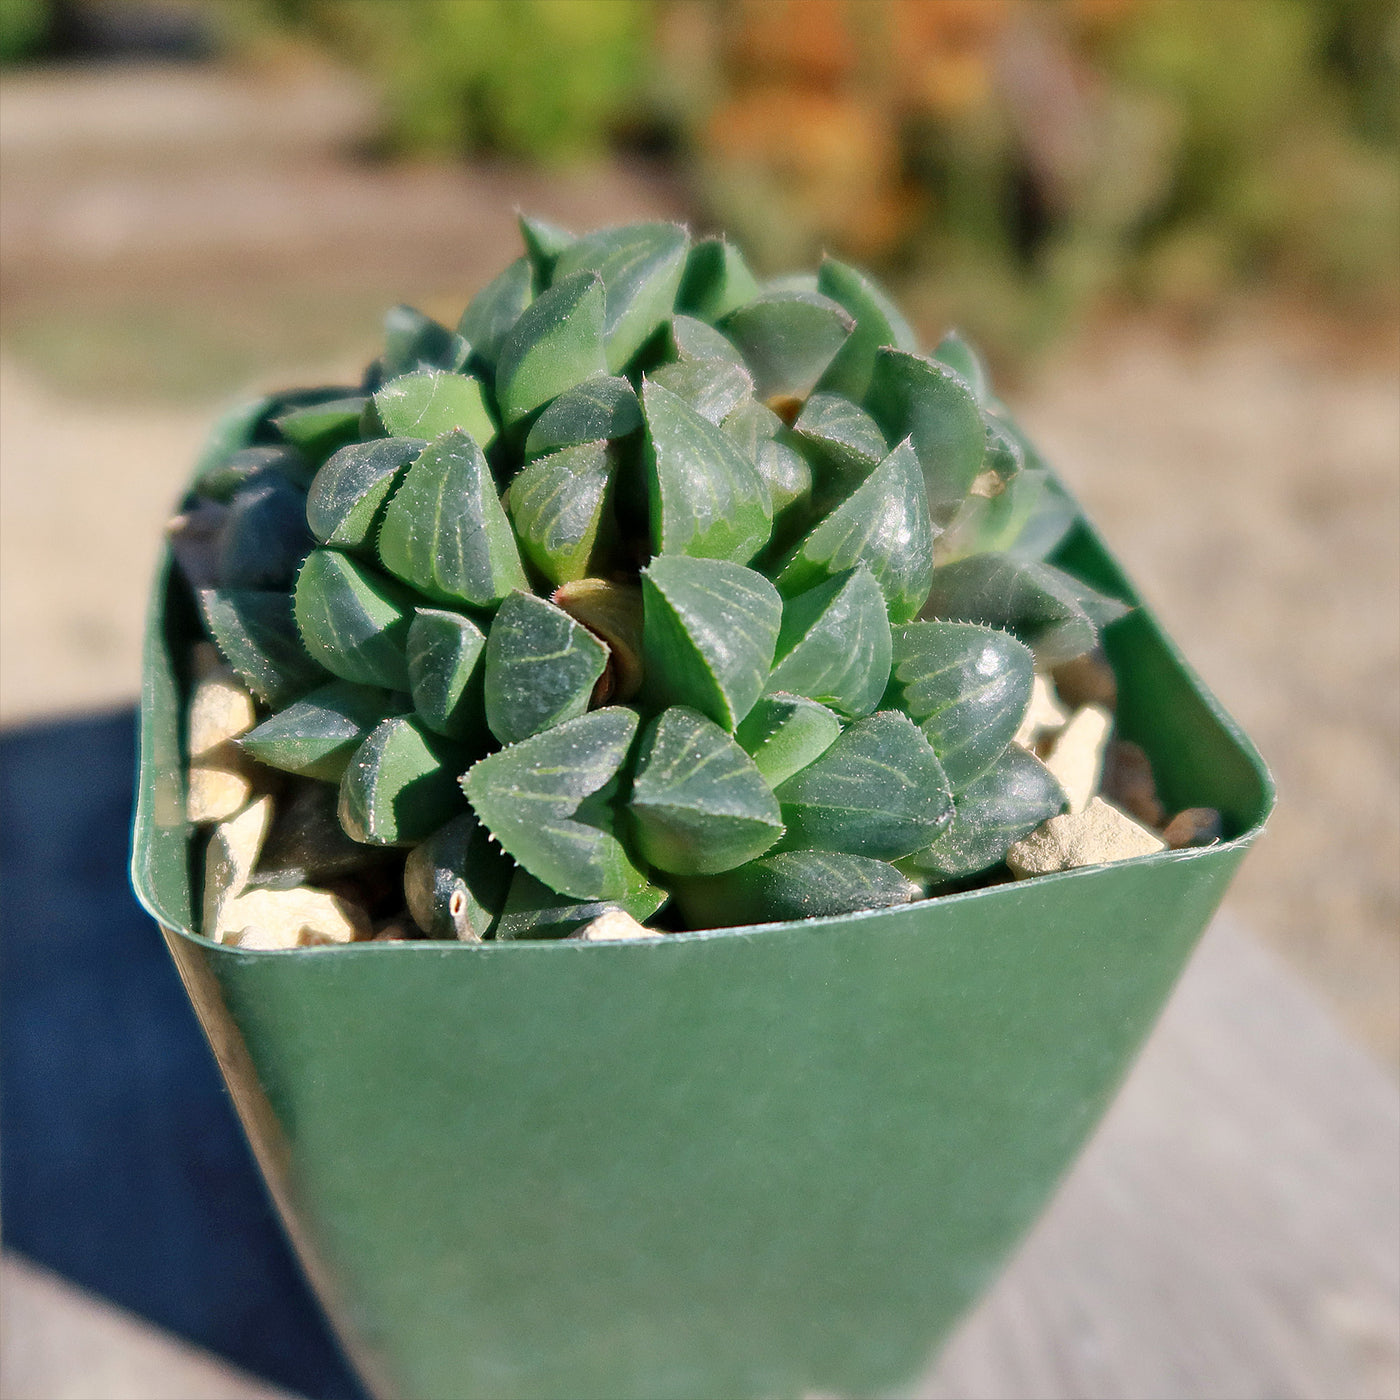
<point>699,804</point>
<point>712,387</point>
<point>494,310</point>
<point>319,428</point>
<point>706,496</point>
<point>786,474</point>
<point>556,343</point>
<point>455,882</point>
<point>430,402</point>
<point>844,442</point>
<point>708,634</point>
<point>601,408</point>
<point>1013,797</point>
<point>264,537</point>
<point>1028,519</point>
<point>641,266</point>
<point>878,323</point>
<point>307,844</point>
<point>529,796</point>
<point>533,910</point>
<point>752,424</point>
<point>233,430</point>
<point>256,634</point>
<point>883,525</point>
<point>353,620</point>
<point>544,242</point>
<point>967,687</point>
<point>541,667</point>
<point>316,735</point>
<point>878,791</point>
<point>792,885</point>
<point>784,733</point>
<point>399,785</point>
<point>444,675</point>
<point>413,341</point>
<point>350,490</point>
<point>1004,454</point>
<point>445,532</point>
<point>1055,615</point>
<point>911,396</point>
<point>958,355</point>
<point>787,339</point>
<point>695,340</point>
<point>717,280</point>
<point>230,474</point>
<point>557,503</point>
<point>834,644</point>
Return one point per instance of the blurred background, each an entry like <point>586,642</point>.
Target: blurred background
<point>1174,225</point>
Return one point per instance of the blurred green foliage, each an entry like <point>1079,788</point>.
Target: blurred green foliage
<point>548,80</point>
<point>1286,160</point>
<point>1011,165</point>
<point>22,27</point>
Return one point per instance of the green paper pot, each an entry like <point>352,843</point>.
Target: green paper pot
<point>760,1161</point>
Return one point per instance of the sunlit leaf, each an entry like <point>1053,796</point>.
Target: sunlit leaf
<point>966,686</point>
<point>1013,797</point>
<point>708,634</point>
<point>877,323</point>
<point>1057,616</point>
<point>603,407</point>
<point>354,620</point>
<point>445,532</point>
<point>316,735</point>
<point>530,794</point>
<point>787,339</point>
<point>699,804</point>
<point>430,402</point>
<point>844,444</point>
<point>444,652</point>
<point>878,790</point>
<point>922,399</point>
<point>557,342</point>
<point>706,496</point>
<point>884,525</point>
<point>712,387</point>
<point>348,494</point>
<point>399,786</point>
<point>541,667</point>
<point>716,281</point>
<point>641,267</point>
<point>834,644</point>
<point>557,503</point>
<point>784,733</point>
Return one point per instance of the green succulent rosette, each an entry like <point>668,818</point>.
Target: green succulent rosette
<point>647,587</point>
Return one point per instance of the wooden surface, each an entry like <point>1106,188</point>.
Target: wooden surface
<point>1232,1231</point>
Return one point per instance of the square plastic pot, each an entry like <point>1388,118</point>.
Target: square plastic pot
<point>759,1161</point>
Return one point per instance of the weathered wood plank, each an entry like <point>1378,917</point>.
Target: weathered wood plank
<point>1232,1230</point>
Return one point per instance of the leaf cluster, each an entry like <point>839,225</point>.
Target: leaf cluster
<point>647,586</point>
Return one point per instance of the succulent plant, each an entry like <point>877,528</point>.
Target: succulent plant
<point>648,588</point>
